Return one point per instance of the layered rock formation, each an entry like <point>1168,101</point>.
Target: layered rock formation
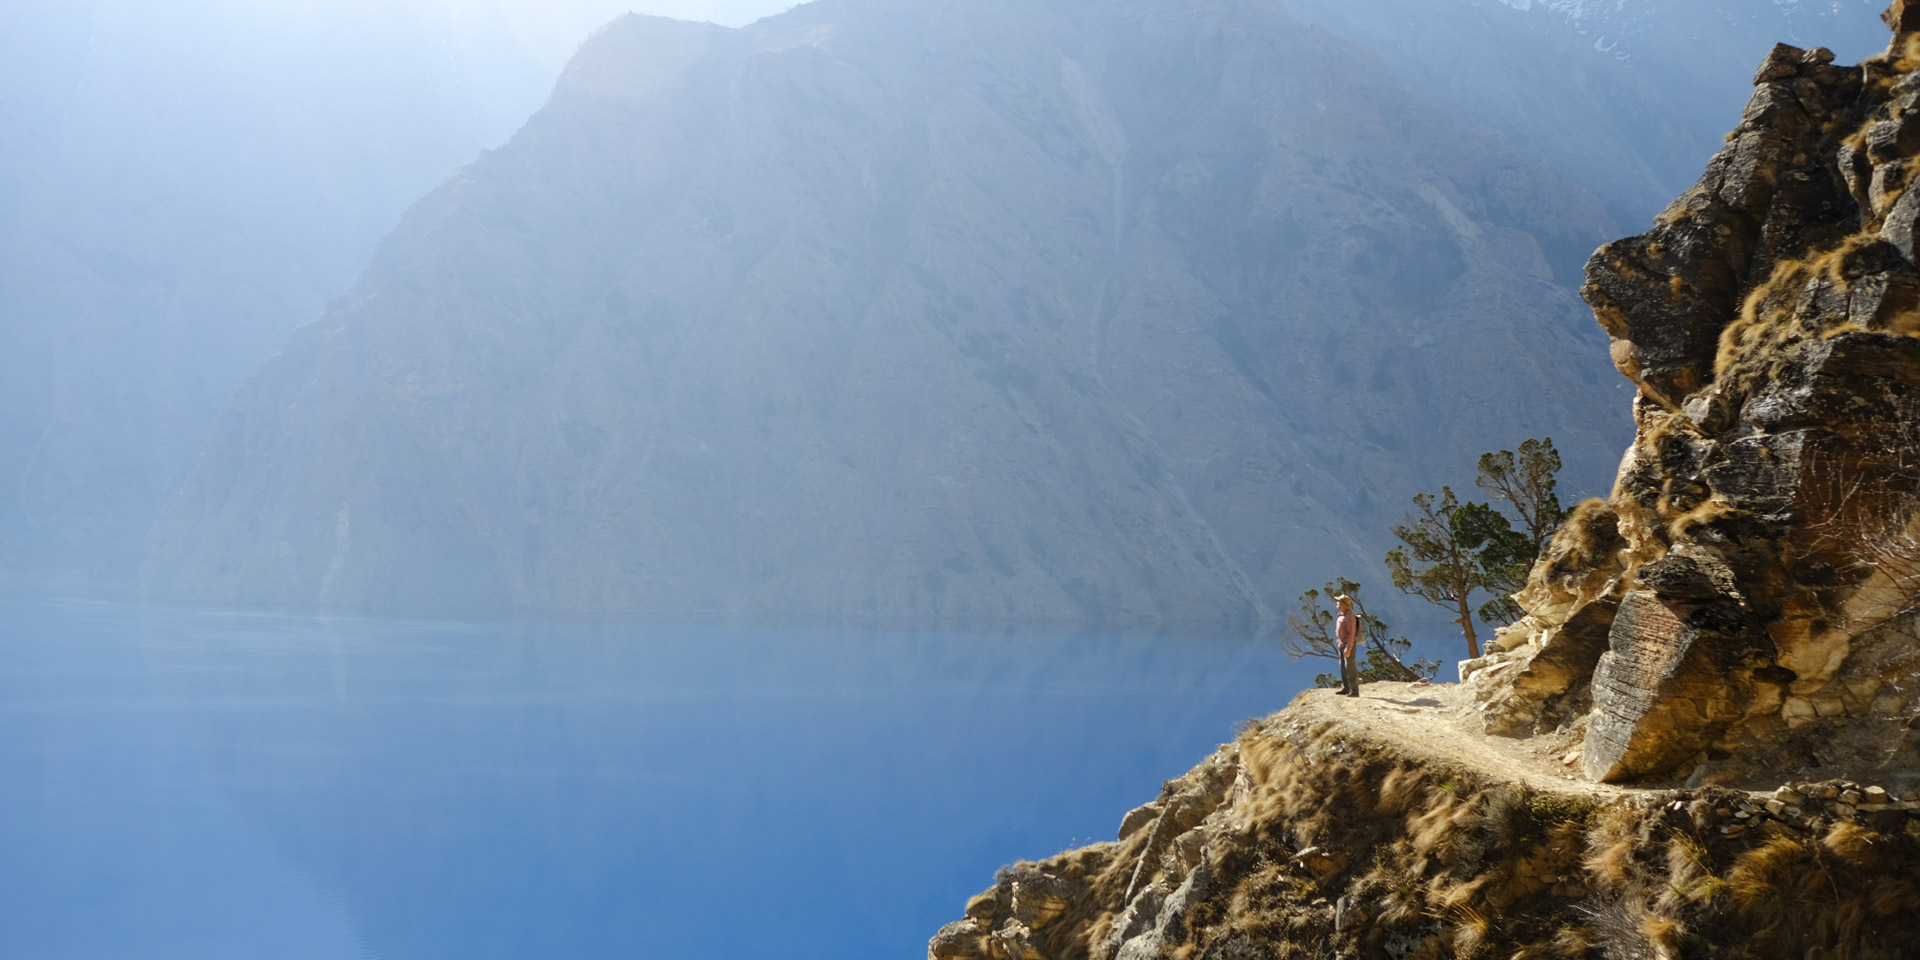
<point>1747,595</point>
<point>1131,309</point>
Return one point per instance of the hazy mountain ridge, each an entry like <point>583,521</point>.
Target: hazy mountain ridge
<point>1628,97</point>
<point>1617,25</point>
<point>183,184</point>
<point>975,310</point>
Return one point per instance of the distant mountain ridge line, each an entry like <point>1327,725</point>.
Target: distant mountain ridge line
<point>849,312</point>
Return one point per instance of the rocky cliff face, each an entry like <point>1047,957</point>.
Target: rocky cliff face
<point>1130,309</point>
<point>1727,643</point>
<point>1371,829</point>
<point>1746,597</point>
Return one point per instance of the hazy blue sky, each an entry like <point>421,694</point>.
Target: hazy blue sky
<point>555,27</point>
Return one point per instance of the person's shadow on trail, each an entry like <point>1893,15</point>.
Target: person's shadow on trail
<point>1422,702</point>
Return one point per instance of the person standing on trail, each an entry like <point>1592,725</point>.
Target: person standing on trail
<point>1346,632</point>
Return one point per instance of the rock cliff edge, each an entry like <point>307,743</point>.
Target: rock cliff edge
<point>1700,739</point>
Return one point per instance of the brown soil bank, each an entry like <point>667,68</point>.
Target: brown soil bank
<point>1382,828</point>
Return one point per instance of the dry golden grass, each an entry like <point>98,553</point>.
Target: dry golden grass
<point>1590,532</point>
<point>1457,866</point>
<point>1661,933</point>
<point>1610,847</point>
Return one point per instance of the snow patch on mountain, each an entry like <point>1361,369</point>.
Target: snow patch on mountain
<point>1617,27</point>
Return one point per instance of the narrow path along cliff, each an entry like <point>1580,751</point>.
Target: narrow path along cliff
<point>1439,723</point>
<point>1393,826</point>
<point>1703,737</point>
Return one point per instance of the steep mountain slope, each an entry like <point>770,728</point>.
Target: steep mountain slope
<point>1746,597</point>
<point>1729,643</point>
<point>1628,97</point>
<point>1123,309</point>
<point>182,185</point>
<point>1385,827</point>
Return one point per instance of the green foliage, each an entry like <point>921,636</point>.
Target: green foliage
<point>1438,559</point>
<point>1527,483</point>
<point>1504,556</point>
<point>1450,550</point>
<point>1385,655</point>
<point>1549,809</point>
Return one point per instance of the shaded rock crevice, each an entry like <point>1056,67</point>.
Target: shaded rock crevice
<point>1759,524</point>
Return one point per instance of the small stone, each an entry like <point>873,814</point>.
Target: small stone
<point>1851,798</point>
<point>1844,810</point>
<point>1826,791</point>
<point>1732,830</point>
<point>1789,795</point>
<point>1741,815</point>
<point>1877,795</point>
<point>1775,807</point>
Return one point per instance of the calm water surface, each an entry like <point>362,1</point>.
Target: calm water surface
<point>196,785</point>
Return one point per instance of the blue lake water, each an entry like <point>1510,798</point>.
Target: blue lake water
<point>205,785</point>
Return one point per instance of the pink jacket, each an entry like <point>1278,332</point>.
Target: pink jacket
<point>1347,630</point>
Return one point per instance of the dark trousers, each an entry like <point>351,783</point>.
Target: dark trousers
<point>1349,675</point>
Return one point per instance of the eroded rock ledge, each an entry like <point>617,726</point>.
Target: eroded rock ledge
<point>1744,606</point>
<point>1320,833</point>
<point>1745,599</point>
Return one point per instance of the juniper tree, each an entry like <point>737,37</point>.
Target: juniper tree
<point>1504,556</point>
<point>1439,558</point>
<point>1527,483</point>
<point>1452,549</point>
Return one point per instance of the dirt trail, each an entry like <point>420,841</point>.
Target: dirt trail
<point>1439,720</point>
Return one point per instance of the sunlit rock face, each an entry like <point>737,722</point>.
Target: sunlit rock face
<point>1758,575</point>
<point>1126,310</point>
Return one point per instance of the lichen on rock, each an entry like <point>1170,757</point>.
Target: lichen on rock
<point>1759,543</point>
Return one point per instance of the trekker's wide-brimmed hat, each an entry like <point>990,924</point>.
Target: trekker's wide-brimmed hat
<point>1343,598</point>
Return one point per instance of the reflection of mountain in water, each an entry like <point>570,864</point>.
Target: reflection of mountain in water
<point>1130,309</point>
<point>235,787</point>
